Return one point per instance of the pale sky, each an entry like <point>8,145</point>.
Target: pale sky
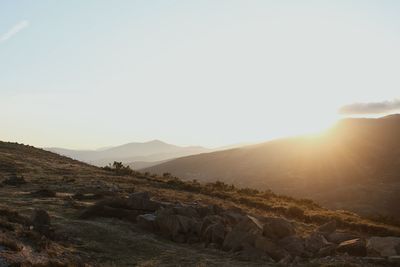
<point>87,74</point>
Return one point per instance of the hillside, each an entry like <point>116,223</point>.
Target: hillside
<point>144,153</point>
<point>56,211</point>
<point>355,165</point>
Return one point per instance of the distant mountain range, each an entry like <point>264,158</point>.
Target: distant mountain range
<point>137,155</point>
<point>355,165</point>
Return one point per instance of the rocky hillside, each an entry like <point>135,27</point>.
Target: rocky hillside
<point>355,165</point>
<point>60,212</point>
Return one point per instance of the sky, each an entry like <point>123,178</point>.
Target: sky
<point>87,74</point>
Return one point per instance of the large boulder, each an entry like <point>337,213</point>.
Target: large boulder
<point>112,208</point>
<point>14,180</point>
<point>244,233</point>
<point>187,211</point>
<point>277,228</point>
<point>214,233</point>
<point>327,228</point>
<point>315,242</point>
<point>250,253</point>
<point>355,247</point>
<point>176,227</point>
<point>147,222</point>
<point>41,222</point>
<point>339,237</point>
<point>269,247</point>
<point>293,244</point>
<point>384,246</point>
<point>142,201</point>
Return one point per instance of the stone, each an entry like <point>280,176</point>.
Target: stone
<point>394,259</point>
<point>339,237</point>
<point>244,233</point>
<point>215,233</point>
<point>269,247</point>
<point>186,211</point>
<point>277,228</point>
<point>147,222</point>
<point>232,217</point>
<point>355,247</point>
<point>383,246</point>
<point>293,244</point>
<point>250,253</point>
<point>327,228</point>
<point>176,227</point>
<point>14,180</point>
<point>41,222</point>
<point>315,242</point>
<point>142,201</point>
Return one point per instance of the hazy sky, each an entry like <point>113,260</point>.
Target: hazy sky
<point>86,74</point>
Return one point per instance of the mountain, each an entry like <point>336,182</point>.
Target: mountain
<point>354,165</point>
<point>143,153</point>
<point>56,211</point>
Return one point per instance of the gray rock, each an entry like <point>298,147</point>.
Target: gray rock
<point>147,222</point>
<point>293,244</point>
<point>142,201</point>
<point>277,228</point>
<point>355,247</point>
<point>315,242</point>
<point>383,246</point>
<point>269,247</point>
<point>244,233</point>
<point>339,237</point>
<point>327,228</point>
<point>215,233</point>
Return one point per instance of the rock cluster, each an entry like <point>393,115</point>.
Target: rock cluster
<point>14,180</point>
<point>249,236</point>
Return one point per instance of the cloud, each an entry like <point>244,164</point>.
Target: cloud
<point>14,30</point>
<point>370,108</point>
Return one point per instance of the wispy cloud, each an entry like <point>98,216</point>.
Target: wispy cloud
<point>14,30</point>
<point>370,107</point>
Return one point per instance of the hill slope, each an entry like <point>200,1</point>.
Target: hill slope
<point>355,165</point>
<point>108,235</point>
<point>148,152</point>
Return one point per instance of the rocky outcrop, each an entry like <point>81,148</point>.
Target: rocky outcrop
<point>247,236</point>
<point>384,246</point>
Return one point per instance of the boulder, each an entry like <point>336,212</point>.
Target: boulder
<point>244,233</point>
<point>269,247</point>
<point>111,208</point>
<point>277,228</point>
<point>293,244</point>
<point>147,222</point>
<point>339,237</point>
<point>250,253</point>
<point>327,228</point>
<point>176,227</point>
<point>142,201</point>
<point>355,247</point>
<point>209,220</point>
<point>315,242</point>
<point>383,246</point>
<point>232,217</point>
<point>14,180</point>
<point>215,233</point>
<point>41,222</point>
<point>187,211</point>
